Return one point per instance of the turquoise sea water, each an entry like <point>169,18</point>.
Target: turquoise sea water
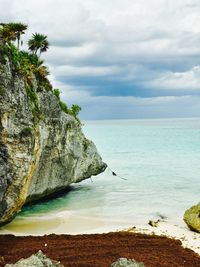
<point>160,160</point>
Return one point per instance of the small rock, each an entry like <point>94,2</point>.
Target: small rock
<point>154,223</point>
<point>162,217</point>
<point>37,260</point>
<point>123,262</point>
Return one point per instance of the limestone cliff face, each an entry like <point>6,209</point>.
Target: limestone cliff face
<point>40,152</point>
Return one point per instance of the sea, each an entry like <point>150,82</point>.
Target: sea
<point>157,167</point>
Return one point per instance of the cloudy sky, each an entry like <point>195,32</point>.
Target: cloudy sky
<point>119,59</point>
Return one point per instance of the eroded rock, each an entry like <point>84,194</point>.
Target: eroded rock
<point>42,149</point>
<point>123,262</point>
<point>37,260</point>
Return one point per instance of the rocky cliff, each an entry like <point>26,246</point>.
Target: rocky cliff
<point>42,149</point>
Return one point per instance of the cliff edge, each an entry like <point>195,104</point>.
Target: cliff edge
<point>42,149</point>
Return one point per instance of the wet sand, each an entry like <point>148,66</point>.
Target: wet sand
<point>99,250</point>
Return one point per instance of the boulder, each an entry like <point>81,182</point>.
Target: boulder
<point>192,218</point>
<point>38,260</point>
<point>123,262</point>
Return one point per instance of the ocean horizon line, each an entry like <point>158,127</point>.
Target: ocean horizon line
<point>141,119</point>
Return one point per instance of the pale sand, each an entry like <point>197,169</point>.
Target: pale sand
<point>188,238</point>
<point>69,223</point>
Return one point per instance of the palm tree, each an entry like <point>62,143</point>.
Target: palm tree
<point>6,34</point>
<point>18,29</point>
<point>12,31</point>
<point>38,42</point>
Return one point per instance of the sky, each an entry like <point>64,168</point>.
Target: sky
<point>119,59</point>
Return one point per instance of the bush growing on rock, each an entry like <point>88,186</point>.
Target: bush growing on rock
<point>28,64</point>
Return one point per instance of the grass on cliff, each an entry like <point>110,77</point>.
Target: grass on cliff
<point>28,64</point>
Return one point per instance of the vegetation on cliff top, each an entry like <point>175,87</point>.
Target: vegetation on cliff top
<point>28,64</point>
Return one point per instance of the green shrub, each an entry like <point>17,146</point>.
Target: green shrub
<point>85,144</point>
<point>4,51</point>
<point>2,91</point>
<point>14,55</point>
<point>34,102</point>
<point>56,92</point>
<point>32,95</point>
<point>75,109</point>
<point>32,58</point>
<point>44,83</point>
<point>63,106</point>
<point>26,132</point>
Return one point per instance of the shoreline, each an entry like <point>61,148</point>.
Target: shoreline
<point>89,225</point>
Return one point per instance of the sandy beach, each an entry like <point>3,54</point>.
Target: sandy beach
<point>165,245</point>
<point>77,225</point>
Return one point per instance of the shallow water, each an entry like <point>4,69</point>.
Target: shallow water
<point>160,160</point>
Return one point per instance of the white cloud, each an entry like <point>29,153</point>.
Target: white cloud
<point>143,43</point>
<point>156,24</point>
<point>189,80</point>
<point>65,55</point>
<point>85,71</point>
